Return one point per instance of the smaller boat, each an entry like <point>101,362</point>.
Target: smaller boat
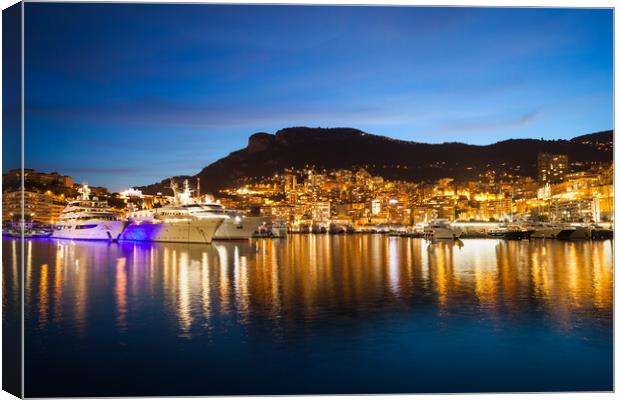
<point>545,230</point>
<point>279,229</point>
<point>37,234</point>
<point>599,233</point>
<point>585,232</point>
<point>319,229</point>
<point>29,231</point>
<point>515,232</point>
<point>336,229</point>
<point>574,232</point>
<point>441,229</point>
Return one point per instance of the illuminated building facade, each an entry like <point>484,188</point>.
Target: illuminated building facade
<point>40,208</point>
<point>552,167</point>
<point>360,199</point>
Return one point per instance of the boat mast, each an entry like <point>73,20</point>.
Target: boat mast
<point>84,191</point>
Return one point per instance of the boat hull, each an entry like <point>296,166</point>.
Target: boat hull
<point>440,233</point>
<point>545,233</point>
<point>602,234</point>
<point>574,233</point>
<point>279,232</point>
<point>193,231</point>
<point>242,230</point>
<point>514,235</point>
<point>90,230</point>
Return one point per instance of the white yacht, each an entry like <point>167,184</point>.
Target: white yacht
<point>279,229</point>
<point>546,230</point>
<point>236,225</point>
<point>184,221</point>
<point>441,229</point>
<point>88,218</point>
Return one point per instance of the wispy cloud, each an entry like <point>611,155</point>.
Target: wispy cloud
<point>486,123</point>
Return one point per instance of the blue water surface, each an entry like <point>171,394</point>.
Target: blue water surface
<point>316,314</point>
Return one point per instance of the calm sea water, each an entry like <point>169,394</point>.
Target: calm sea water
<point>316,314</point>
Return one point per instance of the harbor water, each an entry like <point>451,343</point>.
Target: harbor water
<point>314,314</point>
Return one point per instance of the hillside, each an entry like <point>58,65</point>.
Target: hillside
<point>345,148</point>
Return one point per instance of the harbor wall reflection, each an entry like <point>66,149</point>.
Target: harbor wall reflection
<point>307,280</point>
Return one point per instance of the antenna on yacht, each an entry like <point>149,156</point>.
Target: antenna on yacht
<point>185,197</point>
<point>84,191</point>
<point>175,190</point>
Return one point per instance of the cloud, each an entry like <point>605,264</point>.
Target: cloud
<point>485,123</point>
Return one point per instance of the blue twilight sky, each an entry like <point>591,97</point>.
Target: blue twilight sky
<point>127,94</point>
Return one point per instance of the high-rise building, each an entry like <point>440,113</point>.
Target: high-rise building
<point>290,183</point>
<point>552,167</point>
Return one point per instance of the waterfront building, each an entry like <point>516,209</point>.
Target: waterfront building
<point>421,215</point>
<point>552,167</point>
<point>604,198</point>
<point>399,214</point>
<point>573,210</point>
<point>443,207</point>
<point>375,206</point>
<point>39,208</point>
<point>497,209</point>
<point>321,212</point>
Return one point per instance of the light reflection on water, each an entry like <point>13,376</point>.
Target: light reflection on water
<point>277,295</point>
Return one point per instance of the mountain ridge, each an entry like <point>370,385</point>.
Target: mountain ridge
<point>345,148</point>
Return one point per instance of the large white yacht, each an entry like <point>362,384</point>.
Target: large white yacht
<point>88,218</point>
<point>183,221</point>
<point>236,226</point>
<point>441,229</point>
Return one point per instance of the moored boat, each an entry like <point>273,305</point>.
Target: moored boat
<point>88,219</point>
<point>602,233</point>
<point>585,232</point>
<point>27,234</point>
<point>441,229</point>
<point>545,230</point>
<point>184,221</point>
<point>516,232</point>
<point>236,225</point>
<point>279,229</point>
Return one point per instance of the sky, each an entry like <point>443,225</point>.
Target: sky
<point>128,94</point>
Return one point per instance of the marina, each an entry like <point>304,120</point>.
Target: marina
<point>282,200</point>
<point>188,220</point>
<point>245,228</point>
<point>447,210</point>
